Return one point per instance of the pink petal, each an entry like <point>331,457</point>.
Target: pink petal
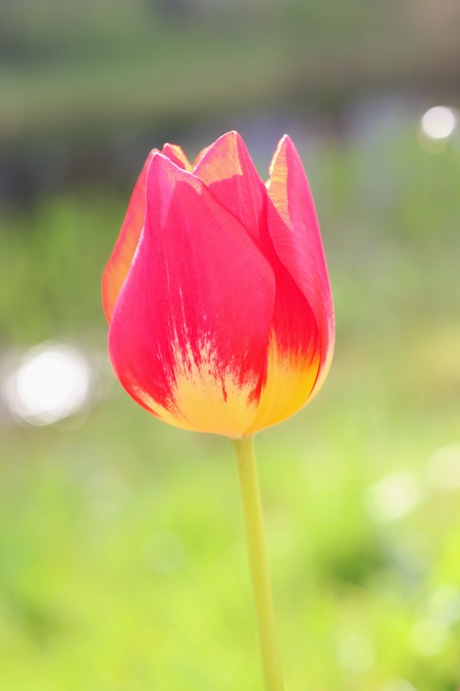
<point>227,170</point>
<point>294,350</point>
<point>189,333</point>
<point>293,355</point>
<point>120,261</point>
<point>294,230</point>
<point>119,264</point>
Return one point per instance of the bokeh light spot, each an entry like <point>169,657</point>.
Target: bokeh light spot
<point>438,122</point>
<point>392,497</point>
<point>50,382</point>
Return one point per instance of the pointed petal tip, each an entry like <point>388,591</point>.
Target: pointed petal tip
<point>231,136</point>
<point>226,157</point>
<point>286,138</point>
<point>176,154</point>
<point>230,133</point>
<point>285,144</point>
<point>169,170</point>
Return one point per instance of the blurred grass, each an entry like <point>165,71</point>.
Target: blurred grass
<point>122,565</point>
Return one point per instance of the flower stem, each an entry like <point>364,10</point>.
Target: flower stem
<point>257,553</point>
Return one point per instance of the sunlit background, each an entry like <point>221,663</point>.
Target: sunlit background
<point>122,563</point>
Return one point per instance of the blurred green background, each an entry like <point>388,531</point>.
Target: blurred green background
<point>122,563</point>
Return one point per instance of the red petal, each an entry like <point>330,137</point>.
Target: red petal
<point>293,357</point>
<point>227,170</point>
<point>189,334</point>
<point>293,361</point>
<point>294,230</point>
<point>294,351</point>
<point>119,264</point>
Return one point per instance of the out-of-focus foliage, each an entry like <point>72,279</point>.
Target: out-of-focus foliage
<point>122,563</point>
<point>73,67</point>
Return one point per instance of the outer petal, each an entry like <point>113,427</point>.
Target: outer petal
<point>302,335</point>
<point>189,334</point>
<point>227,170</point>
<point>294,230</point>
<point>120,261</point>
<point>119,264</point>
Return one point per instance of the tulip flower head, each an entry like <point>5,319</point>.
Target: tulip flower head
<point>217,293</point>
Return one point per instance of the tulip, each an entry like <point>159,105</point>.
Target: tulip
<point>220,311</point>
<point>217,292</point>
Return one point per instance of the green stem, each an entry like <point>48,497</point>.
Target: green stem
<point>257,553</point>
